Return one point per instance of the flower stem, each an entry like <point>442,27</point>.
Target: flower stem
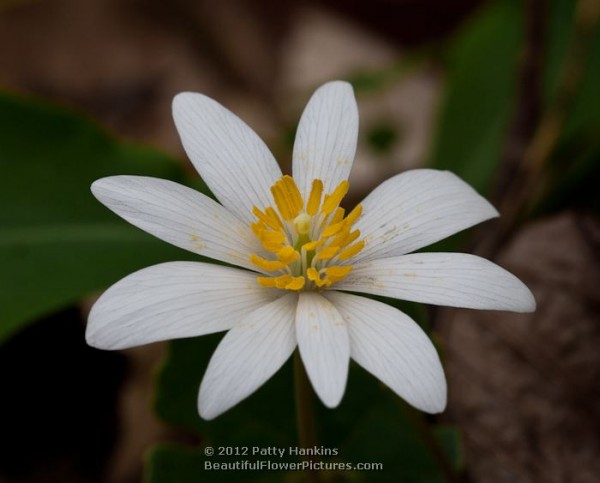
<point>305,420</point>
<point>433,445</point>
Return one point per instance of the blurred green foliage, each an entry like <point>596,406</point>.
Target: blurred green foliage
<point>480,100</point>
<point>574,169</point>
<point>382,137</point>
<point>374,81</point>
<point>57,243</point>
<point>482,64</point>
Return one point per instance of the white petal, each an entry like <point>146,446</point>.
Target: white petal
<point>415,209</point>
<point>392,347</point>
<point>179,215</point>
<point>324,346</point>
<point>326,138</point>
<point>249,354</point>
<point>233,161</point>
<point>173,300</point>
<point>452,279</point>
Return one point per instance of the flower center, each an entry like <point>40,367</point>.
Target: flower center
<point>310,243</point>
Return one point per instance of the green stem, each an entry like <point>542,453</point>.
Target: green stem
<point>305,420</point>
<point>435,449</point>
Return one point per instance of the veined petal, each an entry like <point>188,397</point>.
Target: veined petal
<point>233,161</point>
<point>392,347</point>
<point>249,354</point>
<point>452,279</point>
<point>179,215</point>
<point>415,209</point>
<point>326,138</point>
<point>173,300</point>
<point>324,346</point>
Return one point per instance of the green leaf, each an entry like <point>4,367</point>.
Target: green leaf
<point>583,116</point>
<point>558,34</point>
<point>574,172</point>
<point>479,95</point>
<point>271,407</point>
<point>480,98</point>
<point>372,424</point>
<point>57,243</point>
<point>573,169</point>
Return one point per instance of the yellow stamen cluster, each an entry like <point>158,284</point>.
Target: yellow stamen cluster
<point>308,245</point>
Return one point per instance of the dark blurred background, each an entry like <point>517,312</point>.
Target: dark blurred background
<point>504,93</point>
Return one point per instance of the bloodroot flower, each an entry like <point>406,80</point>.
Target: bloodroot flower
<point>299,253</point>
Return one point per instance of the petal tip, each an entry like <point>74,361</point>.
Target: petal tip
<point>90,338</point>
<point>337,84</point>
<point>437,407</point>
<point>188,102</point>
<point>183,98</point>
<point>336,87</point>
<point>331,397</point>
<point>332,402</point>
<point>528,304</point>
<point>96,335</point>
<point>207,409</point>
<point>437,400</point>
<point>97,186</point>
<point>207,414</point>
<point>493,212</point>
<point>523,300</point>
<point>103,185</point>
<point>95,340</point>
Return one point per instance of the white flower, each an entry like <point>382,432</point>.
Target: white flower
<point>300,249</point>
